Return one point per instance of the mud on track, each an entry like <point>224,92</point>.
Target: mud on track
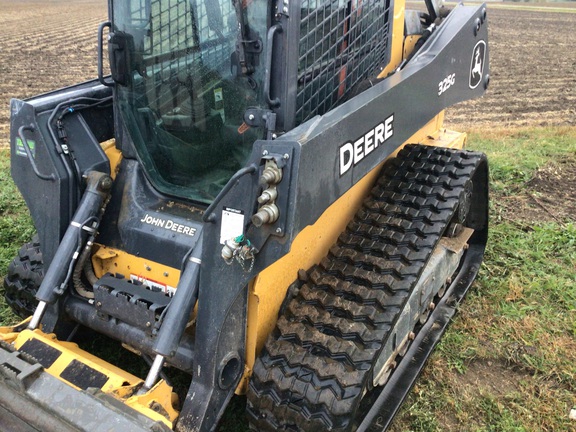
<point>48,44</point>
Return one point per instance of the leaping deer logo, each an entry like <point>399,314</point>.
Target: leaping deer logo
<point>477,69</point>
<point>477,64</point>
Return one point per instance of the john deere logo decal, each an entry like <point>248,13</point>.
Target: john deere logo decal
<point>477,64</point>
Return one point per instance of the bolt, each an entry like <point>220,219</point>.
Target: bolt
<point>98,304</point>
<point>148,268</point>
<point>265,153</point>
<point>431,306</point>
<point>412,336</point>
<point>274,136</point>
<point>166,274</point>
<point>286,156</point>
<point>476,26</point>
<point>278,230</point>
<point>106,183</point>
<point>251,117</point>
<point>285,9</point>
<point>148,324</point>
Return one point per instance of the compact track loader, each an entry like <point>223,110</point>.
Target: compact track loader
<point>262,195</point>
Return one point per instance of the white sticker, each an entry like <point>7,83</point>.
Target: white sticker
<point>219,103</point>
<point>232,224</point>
<point>154,285</point>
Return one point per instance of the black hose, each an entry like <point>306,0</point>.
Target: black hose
<point>425,36</point>
<point>70,169</point>
<point>84,266</point>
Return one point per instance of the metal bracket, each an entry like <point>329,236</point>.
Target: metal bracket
<point>282,8</point>
<point>129,302</point>
<point>16,368</point>
<point>258,117</point>
<point>252,46</point>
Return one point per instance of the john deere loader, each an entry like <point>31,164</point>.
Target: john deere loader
<point>260,194</point>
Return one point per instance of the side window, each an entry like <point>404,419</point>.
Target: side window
<point>184,103</point>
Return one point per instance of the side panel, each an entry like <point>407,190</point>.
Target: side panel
<point>52,197</point>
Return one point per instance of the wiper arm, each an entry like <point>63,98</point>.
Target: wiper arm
<point>247,44</point>
<point>246,68</point>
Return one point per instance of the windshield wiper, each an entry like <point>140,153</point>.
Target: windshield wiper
<point>248,43</point>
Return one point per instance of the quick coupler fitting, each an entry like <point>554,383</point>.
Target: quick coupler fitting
<point>271,175</point>
<point>268,195</point>
<point>267,214</point>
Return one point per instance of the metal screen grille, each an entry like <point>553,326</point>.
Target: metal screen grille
<point>184,45</point>
<point>178,28</point>
<point>341,44</point>
<point>170,27</point>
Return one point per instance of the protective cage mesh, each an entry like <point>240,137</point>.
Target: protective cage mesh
<point>182,50</point>
<point>178,25</point>
<point>341,44</point>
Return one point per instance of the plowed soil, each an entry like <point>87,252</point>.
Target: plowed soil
<point>48,44</point>
<point>45,45</point>
<point>532,70</point>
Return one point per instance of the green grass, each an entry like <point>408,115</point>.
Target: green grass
<point>508,362</point>
<point>515,155</point>
<point>15,226</point>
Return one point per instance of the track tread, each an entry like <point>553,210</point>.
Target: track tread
<point>24,276</point>
<point>318,361</point>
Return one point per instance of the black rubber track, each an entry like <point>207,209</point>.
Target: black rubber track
<point>317,364</point>
<point>25,274</point>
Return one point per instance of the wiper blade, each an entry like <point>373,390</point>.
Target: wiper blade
<point>248,43</point>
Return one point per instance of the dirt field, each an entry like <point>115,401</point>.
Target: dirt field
<point>533,79</point>
<point>48,44</point>
<point>45,45</point>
